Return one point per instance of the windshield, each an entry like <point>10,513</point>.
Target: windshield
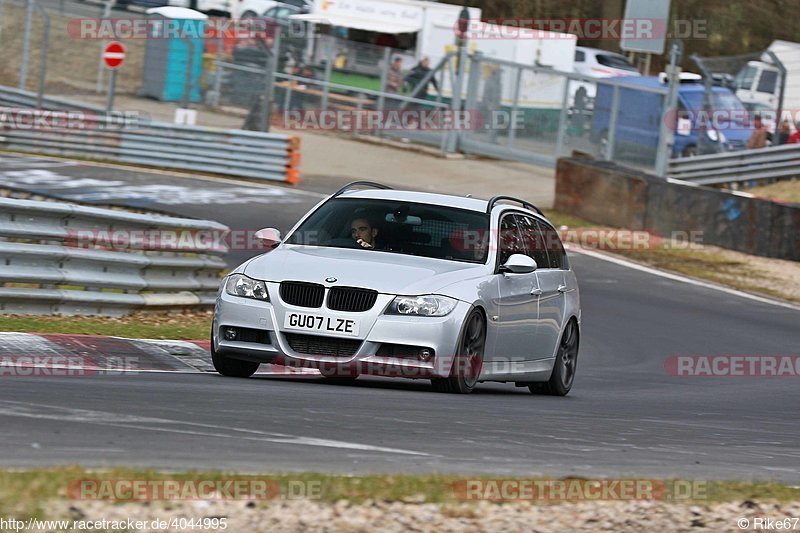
<point>719,100</point>
<point>397,227</point>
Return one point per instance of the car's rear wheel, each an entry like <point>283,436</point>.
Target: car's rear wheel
<point>565,365</point>
<point>469,358</point>
<point>234,368</point>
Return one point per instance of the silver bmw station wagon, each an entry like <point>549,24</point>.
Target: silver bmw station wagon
<point>377,281</point>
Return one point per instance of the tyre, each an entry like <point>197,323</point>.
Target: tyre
<point>469,357</point>
<point>564,367</point>
<point>234,368</point>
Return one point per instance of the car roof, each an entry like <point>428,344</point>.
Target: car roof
<point>598,51</point>
<point>654,82</point>
<point>460,202</point>
<point>447,200</point>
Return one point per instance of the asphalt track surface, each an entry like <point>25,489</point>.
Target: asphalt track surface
<point>626,415</point>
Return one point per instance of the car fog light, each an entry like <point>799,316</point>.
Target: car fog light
<point>425,355</point>
<point>230,334</point>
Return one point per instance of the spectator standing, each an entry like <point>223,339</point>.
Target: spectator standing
<point>394,78</point>
<point>419,73</point>
<point>758,139</point>
<point>784,132</point>
<point>794,138</point>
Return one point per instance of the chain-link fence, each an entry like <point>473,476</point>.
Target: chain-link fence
<point>503,109</point>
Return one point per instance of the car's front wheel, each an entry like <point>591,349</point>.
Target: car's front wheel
<point>234,368</point>
<point>469,358</point>
<point>565,365</point>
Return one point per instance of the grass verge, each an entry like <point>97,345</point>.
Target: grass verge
<point>756,275</point>
<point>27,493</point>
<point>784,191</point>
<point>176,326</point>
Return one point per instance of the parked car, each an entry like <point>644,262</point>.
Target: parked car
<point>639,119</point>
<point>599,63</point>
<point>595,63</point>
<point>257,8</point>
<point>293,35</point>
<point>407,284</point>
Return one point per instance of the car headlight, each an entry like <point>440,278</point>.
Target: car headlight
<point>429,305</point>
<point>241,285</point>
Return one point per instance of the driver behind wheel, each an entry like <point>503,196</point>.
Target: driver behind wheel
<point>364,232</point>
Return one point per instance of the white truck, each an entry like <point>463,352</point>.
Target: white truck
<point>758,84</point>
<point>540,90</point>
<point>433,27</point>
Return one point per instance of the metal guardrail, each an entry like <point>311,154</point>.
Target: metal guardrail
<point>267,156</point>
<point>62,258</point>
<point>11,97</point>
<point>731,167</point>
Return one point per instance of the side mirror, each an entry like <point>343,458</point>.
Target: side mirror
<point>518,264</point>
<point>269,236</point>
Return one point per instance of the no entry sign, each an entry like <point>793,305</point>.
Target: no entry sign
<point>114,55</point>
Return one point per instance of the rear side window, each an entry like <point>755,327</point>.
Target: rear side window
<point>510,242</point>
<point>535,244</point>
<point>580,56</point>
<point>555,250</point>
<point>613,61</point>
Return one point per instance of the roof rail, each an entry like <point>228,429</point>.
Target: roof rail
<point>357,183</point>
<point>526,205</point>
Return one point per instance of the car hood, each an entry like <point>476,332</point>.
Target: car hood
<point>385,272</point>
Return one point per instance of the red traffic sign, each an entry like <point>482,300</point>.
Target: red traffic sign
<point>114,55</point>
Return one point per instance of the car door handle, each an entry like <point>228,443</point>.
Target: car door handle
<point>536,292</point>
<point>562,288</point>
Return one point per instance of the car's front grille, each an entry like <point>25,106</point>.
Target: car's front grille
<point>302,294</point>
<point>316,345</point>
<point>351,299</point>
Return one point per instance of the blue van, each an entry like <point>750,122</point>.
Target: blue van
<point>640,114</point>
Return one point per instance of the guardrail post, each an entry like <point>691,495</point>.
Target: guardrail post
<point>217,92</point>
<point>271,67</point>
<point>387,57</point>
<point>473,87</point>
<point>512,130</point>
<point>608,153</point>
<point>562,118</point>
<point>26,45</point>
<point>101,69</point>
<point>327,81</point>
<point>42,54</point>
<point>455,106</point>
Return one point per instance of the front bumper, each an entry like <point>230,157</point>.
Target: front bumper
<point>377,333</point>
